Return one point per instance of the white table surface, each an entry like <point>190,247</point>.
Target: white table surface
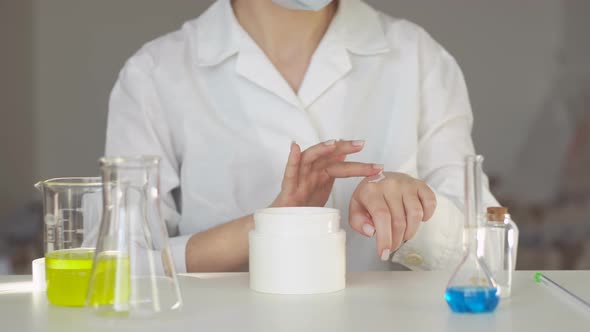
<point>372,301</point>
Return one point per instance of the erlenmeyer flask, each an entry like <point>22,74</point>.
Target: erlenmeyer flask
<point>472,287</point>
<point>133,272</point>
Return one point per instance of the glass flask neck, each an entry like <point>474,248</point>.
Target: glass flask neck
<point>129,168</point>
<point>473,236</point>
<point>121,174</point>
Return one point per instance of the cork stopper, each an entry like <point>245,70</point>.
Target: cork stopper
<point>497,213</point>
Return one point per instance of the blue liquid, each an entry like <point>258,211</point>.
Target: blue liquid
<point>472,299</point>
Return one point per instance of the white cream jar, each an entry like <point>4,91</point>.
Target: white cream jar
<point>299,250</point>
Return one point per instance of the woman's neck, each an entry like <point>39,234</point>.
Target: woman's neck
<point>288,37</point>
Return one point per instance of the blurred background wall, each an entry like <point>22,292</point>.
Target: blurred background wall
<point>17,136</point>
<point>526,65</point>
<point>16,125</point>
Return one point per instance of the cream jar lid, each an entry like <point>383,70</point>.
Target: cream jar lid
<point>297,221</point>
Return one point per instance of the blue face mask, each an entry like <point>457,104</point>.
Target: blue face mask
<point>314,5</point>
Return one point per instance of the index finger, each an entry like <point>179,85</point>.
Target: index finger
<point>375,204</point>
<point>342,149</point>
<point>359,219</point>
<point>347,169</point>
<point>311,154</point>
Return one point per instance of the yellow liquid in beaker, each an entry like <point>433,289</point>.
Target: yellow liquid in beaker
<point>111,284</point>
<point>68,272</point>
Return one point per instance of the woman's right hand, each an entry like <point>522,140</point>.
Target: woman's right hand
<point>309,175</point>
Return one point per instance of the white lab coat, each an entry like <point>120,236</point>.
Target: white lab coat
<point>208,101</point>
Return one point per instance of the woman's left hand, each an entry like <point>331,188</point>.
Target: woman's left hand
<point>391,205</point>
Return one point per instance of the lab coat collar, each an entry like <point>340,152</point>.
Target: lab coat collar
<point>356,28</point>
<point>218,34</point>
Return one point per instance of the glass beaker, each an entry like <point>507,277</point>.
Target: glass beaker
<point>72,209</point>
<point>472,288</point>
<point>133,272</point>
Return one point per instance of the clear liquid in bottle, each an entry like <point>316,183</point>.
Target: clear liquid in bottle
<point>501,247</point>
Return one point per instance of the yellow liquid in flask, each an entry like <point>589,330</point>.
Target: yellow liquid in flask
<point>111,284</point>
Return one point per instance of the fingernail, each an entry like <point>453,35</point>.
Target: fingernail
<point>330,142</point>
<point>359,142</point>
<point>369,230</point>
<point>385,254</point>
<point>378,166</point>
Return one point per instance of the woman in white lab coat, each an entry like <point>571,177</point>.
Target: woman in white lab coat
<point>224,99</point>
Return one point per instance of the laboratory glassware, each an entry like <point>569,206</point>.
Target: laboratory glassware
<point>501,247</point>
<point>472,289</point>
<point>72,210</point>
<point>133,274</point>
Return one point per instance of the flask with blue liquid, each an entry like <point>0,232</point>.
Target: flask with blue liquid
<point>472,289</point>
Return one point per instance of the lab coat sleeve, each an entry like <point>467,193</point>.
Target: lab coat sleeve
<point>444,140</point>
<point>137,126</point>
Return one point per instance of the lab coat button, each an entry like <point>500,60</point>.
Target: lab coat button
<point>413,259</point>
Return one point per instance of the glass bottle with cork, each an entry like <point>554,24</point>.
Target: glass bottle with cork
<point>501,247</point>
